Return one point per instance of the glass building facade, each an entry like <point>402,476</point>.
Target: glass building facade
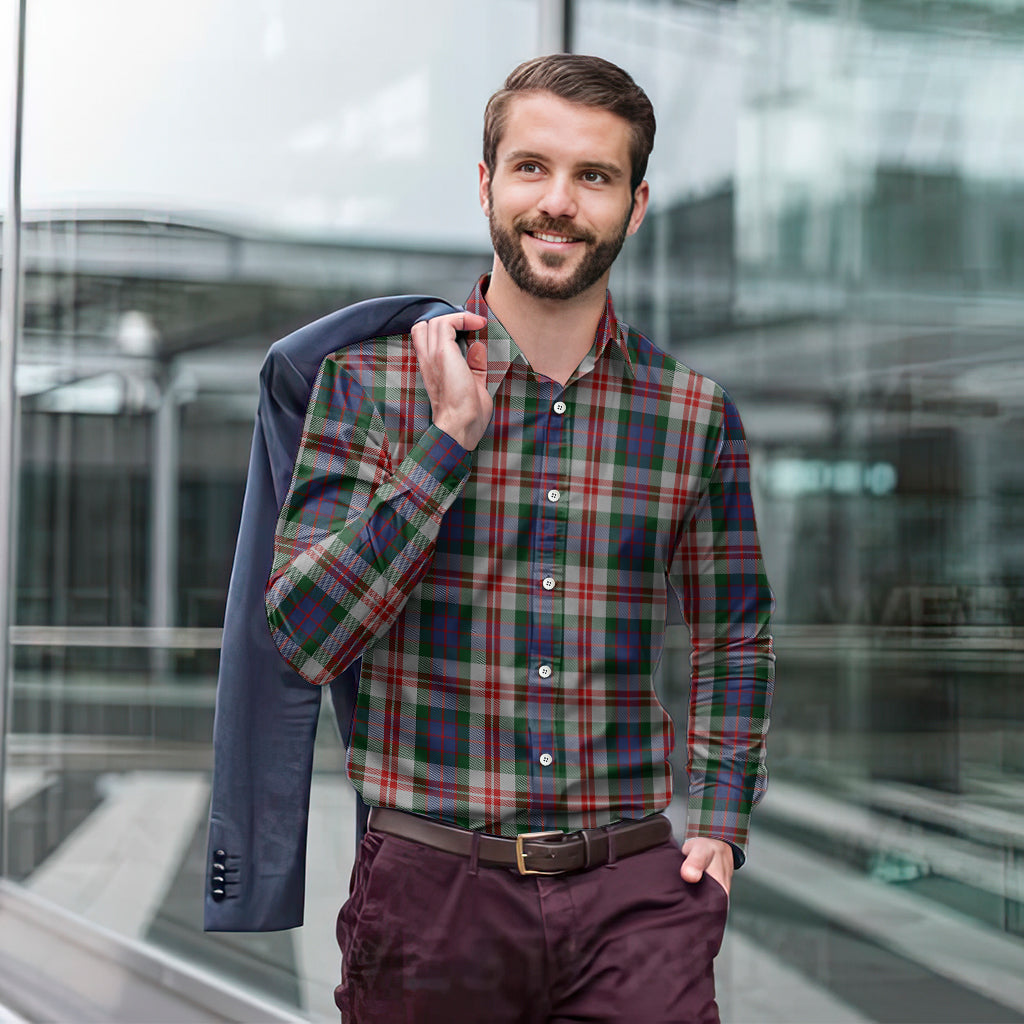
<point>836,235</point>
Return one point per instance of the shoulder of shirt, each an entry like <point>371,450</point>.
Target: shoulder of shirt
<point>386,347</point>
<point>363,359</point>
<point>654,364</point>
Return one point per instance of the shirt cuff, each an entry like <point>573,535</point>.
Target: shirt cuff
<point>435,468</point>
<point>703,818</point>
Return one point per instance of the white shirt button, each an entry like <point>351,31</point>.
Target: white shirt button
<point>559,407</point>
<point>544,671</point>
<point>548,583</point>
<point>554,495</point>
<point>545,759</point>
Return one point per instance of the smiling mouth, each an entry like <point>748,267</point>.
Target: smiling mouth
<point>546,237</point>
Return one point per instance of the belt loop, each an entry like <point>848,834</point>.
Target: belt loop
<point>611,848</point>
<point>586,848</point>
<point>474,854</point>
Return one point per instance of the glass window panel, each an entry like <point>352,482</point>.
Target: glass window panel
<point>835,236</point>
<point>200,179</point>
<point>8,55</point>
<point>8,23</point>
<point>326,118</point>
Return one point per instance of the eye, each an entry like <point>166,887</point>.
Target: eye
<point>529,167</point>
<point>594,177</point>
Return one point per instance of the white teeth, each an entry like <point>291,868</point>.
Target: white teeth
<point>551,238</point>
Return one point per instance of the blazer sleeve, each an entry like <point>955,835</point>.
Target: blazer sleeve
<point>266,714</point>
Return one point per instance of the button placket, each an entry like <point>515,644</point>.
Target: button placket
<point>548,560</point>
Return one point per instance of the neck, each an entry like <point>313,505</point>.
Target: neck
<point>553,334</point>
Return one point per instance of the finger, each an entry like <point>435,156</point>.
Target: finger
<point>463,320</point>
<point>419,339</point>
<point>476,356</point>
<point>441,330</point>
<point>472,321</point>
<point>444,328</point>
<point>450,324</point>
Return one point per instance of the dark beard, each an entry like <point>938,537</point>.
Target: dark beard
<point>508,248</point>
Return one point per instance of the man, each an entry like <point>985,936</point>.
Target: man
<point>497,516</point>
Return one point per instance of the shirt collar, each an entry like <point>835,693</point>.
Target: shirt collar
<point>502,351</point>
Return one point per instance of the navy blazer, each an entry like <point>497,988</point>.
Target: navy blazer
<point>266,713</point>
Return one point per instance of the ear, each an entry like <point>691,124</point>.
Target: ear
<point>640,199</point>
<point>485,183</point>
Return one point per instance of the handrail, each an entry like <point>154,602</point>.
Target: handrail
<point>795,637</point>
<point>165,637</point>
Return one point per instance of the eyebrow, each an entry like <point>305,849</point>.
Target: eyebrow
<point>611,170</point>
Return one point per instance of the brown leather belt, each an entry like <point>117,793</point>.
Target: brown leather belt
<point>532,853</point>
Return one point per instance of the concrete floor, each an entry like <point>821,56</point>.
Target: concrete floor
<point>811,940</point>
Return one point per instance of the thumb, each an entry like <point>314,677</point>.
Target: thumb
<point>476,356</point>
<point>694,864</point>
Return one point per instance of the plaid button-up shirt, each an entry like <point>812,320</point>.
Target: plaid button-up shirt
<point>510,604</point>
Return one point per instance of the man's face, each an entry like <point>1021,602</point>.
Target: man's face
<point>559,202</point>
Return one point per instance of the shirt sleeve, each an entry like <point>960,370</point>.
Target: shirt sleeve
<point>718,574</point>
<point>355,534</point>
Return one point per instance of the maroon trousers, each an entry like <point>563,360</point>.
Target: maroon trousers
<point>430,937</point>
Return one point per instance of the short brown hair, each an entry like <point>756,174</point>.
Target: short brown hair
<point>577,78</point>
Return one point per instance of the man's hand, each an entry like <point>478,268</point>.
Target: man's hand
<point>711,855</point>
<point>457,386</point>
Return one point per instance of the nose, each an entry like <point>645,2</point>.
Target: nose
<point>559,198</point>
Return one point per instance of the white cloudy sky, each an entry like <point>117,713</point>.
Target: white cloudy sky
<point>334,116</point>
<point>362,119</point>
<point>321,115</point>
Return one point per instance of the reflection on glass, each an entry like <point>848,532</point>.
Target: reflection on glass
<point>200,179</point>
<point>332,120</point>
<point>8,25</point>
<point>837,238</point>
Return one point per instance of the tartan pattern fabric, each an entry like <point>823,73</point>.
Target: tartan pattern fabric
<point>510,604</point>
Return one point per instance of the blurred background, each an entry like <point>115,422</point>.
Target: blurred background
<point>836,236</point>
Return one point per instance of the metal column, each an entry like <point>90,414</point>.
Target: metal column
<point>554,26</point>
<point>163,549</point>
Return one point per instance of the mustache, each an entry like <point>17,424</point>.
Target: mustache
<point>552,226</point>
